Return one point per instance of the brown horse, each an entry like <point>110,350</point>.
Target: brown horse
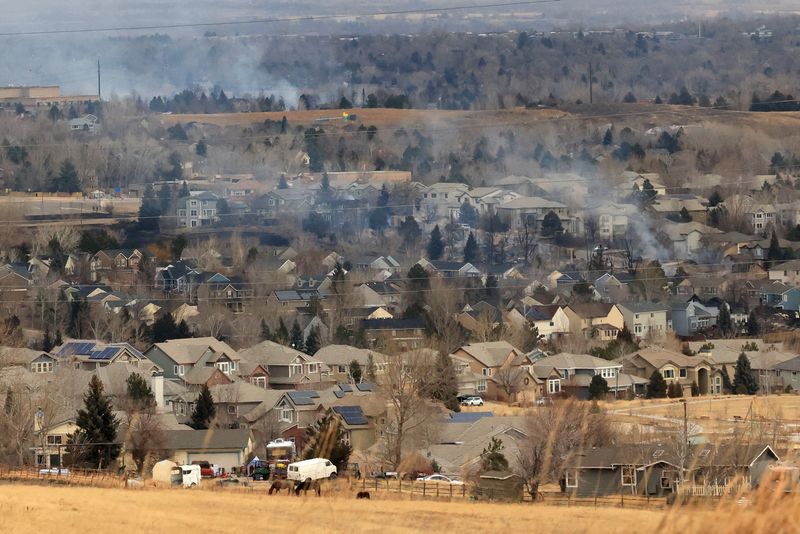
<point>313,485</point>
<point>279,485</point>
<point>362,495</point>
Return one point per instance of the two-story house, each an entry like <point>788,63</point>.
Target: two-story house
<point>104,262</point>
<point>197,210</point>
<point>673,366</point>
<point>577,371</point>
<point>550,320</point>
<point>787,272</point>
<point>532,211</point>
<point>687,318</point>
<point>288,368</point>
<point>487,359</point>
<point>179,356</point>
<point>92,354</point>
<point>339,358</point>
<point>646,319</point>
<point>595,319</point>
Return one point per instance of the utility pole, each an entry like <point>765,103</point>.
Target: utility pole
<point>591,94</point>
<point>98,79</point>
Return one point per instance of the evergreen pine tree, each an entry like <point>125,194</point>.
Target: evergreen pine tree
<point>57,342</point>
<point>492,457</point>
<point>744,381</point>
<point>727,386</point>
<point>47,343</point>
<point>436,244</point>
<point>296,336</point>
<point>139,393</point>
<point>204,410</point>
<point>282,334</point>
<point>724,322</point>
<point>266,334</point>
<point>657,387</point>
<point>774,253</point>
<point>355,372</point>
<point>472,253</point>
<point>753,328</point>
<point>598,387</point>
<point>96,428</point>
<point>313,342</point>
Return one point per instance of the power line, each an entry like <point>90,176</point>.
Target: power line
<point>296,18</point>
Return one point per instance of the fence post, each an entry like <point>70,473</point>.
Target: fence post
<point>451,492</point>
<point>423,488</point>
<point>376,484</point>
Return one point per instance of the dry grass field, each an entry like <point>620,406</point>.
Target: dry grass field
<point>33,509</point>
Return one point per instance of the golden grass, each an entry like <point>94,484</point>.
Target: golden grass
<point>33,509</point>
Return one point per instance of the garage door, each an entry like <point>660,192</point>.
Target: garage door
<point>228,460</point>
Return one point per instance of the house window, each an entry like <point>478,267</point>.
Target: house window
<point>628,476</point>
<point>666,479</point>
<point>669,373</point>
<point>180,408</point>
<point>571,478</point>
<point>225,367</point>
<point>342,369</point>
<point>295,369</point>
<point>42,367</point>
<point>193,213</point>
<point>232,409</point>
<point>682,373</point>
<point>487,371</point>
<point>286,414</point>
<point>481,387</point>
<point>178,370</point>
<point>259,381</point>
<point>312,368</point>
<point>553,386</point>
<point>54,439</point>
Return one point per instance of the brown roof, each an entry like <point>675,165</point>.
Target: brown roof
<point>590,310</point>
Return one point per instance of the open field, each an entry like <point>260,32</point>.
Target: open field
<point>32,509</point>
<point>131,511</point>
<point>646,114</point>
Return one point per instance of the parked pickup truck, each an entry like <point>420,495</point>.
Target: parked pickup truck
<point>206,469</point>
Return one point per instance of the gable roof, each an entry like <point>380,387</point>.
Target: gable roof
<point>190,350</point>
<point>212,439</point>
<point>566,360</point>
<point>490,353</point>
<point>591,310</point>
<point>271,353</point>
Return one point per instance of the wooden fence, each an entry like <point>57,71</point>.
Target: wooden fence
<point>72,476</point>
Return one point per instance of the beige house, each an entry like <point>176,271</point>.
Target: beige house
<point>598,319</point>
<point>48,447</point>
<point>786,272</point>
<point>645,319</point>
<point>495,361</point>
<point>337,359</point>
<point>227,448</point>
<point>674,367</point>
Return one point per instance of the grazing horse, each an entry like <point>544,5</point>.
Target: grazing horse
<point>279,485</point>
<point>362,495</point>
<point>313,485</point>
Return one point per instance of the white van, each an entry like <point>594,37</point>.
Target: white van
<point>190,475</point>
<point>313,469</point>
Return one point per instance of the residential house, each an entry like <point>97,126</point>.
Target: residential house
<point>92,354</point>
<point>688,318</point>
<point>49,441</point>
<point>15,278</point>
<point>229,291</point>
<point>675,367</point>
<point>610,219</point>
<point>532,211</point>
<point>551,320</point>
<point>235,400</point>
<point>87,123</point>
<point>646,319</point>
<point>338,358</point>
<point>292,300</point>
<point>449,269</point>
<point>35,361</point>
<point>787,272</point>
<point>657,469</point>
<point>671,206</point>
<point>763,361</point>
<point>440,201</point>
<point>613,287</point>
<point>405,333</point>
<point>480,318</point>
<point>576,373</point>
<point>227,448</point>
<point>493,360</point>
<point>197,210</point>
<point>485,199</point>
<point>123,260</point>
<point>176,276</point>
<point>686,238</point>
<point>179,356</point>
<point>789,372</point>
<point>778,295</point>
<point>595,319</point>
<point>290,201</point>
<point>288,368</point>
<point>381,264</point>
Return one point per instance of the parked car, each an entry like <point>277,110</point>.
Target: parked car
<point>472,401</point>
<point>313,469</point>
<point>384,475</point>
<point>441,479</point>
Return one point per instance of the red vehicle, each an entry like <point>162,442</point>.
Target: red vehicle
<point>206,469</point>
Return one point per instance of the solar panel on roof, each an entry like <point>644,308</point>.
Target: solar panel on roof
<point>339,394</point>
<point>352,415</point>
<point>300,398</point>
<point>365,387</point>
<point>346,387</point>
<point>105,354</point>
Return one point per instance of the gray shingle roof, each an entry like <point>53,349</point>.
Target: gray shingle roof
<point>212,439</point>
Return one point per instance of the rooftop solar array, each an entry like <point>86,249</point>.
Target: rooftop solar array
<point>74,348</point>
<point>364,386</point>
<point>346,387</point>
<point>352,415</point>
<point>105,354</point>
<point>339,394</point>
<point>303,398</point>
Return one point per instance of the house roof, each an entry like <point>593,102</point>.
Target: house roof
<point>566,360</point>
<point>542,313</point>
<point>190,350</point>
<point>490,353</point>
<point>271,353</point>
<point>393,324</point>
<point>718,455</point>
<point>344,354</point>
<point>212,439</point>
<point>658,357</point>
<point>591,310</point>
<point>644,307</point>
<point>531,203</point>
<point>19,355</point>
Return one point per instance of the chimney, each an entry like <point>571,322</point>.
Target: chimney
<point>158,389</point>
